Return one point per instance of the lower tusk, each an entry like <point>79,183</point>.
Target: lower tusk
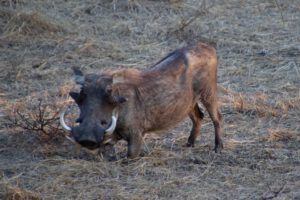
<point>62,121</point>
<point>113,125</point>
<point>107,141</point>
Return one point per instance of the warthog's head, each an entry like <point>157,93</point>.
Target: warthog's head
<point>98,110</point>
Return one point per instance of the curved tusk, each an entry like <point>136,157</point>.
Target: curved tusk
<point>107,141</point>
<point>62,121</point>
<point>113,125</point>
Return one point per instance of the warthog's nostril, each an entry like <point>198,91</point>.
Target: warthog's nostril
<point>89,144</point>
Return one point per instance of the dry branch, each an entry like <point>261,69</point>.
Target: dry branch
<point>37,113</point>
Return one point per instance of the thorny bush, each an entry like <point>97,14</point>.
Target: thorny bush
<point>37,113</point>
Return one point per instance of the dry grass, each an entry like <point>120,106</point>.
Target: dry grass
<point>281,135</point>
<point>257,42</point>
<point>14,193</point>
<point>32,24</point>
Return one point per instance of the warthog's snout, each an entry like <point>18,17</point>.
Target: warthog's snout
<point>89,135</point>
<point>90,139</point>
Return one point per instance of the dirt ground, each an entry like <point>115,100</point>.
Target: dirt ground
<point>258,44</point>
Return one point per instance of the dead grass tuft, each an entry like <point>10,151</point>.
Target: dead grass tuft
<point>14,193</point>
<point>285,104</point>
<point>30,24</point>
<point>258,104</point>
<point>279,134</point>
<point>233,143</point>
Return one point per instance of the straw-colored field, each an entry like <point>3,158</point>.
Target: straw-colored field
<point>258,44</point>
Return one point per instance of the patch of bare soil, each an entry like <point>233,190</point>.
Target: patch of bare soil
<point>259,79</point>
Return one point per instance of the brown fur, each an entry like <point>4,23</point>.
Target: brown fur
<point>160,97</point>
<point>164,95</point>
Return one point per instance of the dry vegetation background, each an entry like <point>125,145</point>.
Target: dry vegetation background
<point>258,45</point>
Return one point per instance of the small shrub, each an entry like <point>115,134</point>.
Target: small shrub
<point>37,113</point>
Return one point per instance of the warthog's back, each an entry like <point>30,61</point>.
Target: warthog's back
<point>163,95</point>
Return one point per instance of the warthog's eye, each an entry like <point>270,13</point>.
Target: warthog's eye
<point>103,122</point>
<point>79,120</point>
<point>108,89</point>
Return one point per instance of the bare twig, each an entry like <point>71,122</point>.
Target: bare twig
<point>274,193</point>
<point>39,116</point>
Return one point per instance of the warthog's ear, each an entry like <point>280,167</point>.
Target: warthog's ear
<point>79,77</point>
<point>119,99</point>
<point>78,97</point>
<point>74,95</point>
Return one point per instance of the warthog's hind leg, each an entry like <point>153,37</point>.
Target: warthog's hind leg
<point>196,116</point>
<point>212,108</point>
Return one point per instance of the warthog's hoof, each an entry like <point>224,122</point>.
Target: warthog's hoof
<point>190,144</point>
<point>218,147</point>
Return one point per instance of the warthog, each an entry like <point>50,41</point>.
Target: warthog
<point>128,103</point>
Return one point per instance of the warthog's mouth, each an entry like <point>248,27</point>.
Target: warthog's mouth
<point>89,145</point>
<point>108,132</point>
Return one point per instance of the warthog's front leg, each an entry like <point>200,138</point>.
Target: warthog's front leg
<point>135,142</point>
